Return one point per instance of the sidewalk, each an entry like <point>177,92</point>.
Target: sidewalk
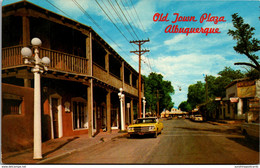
<point>226,122</point>
<point>55,148</point>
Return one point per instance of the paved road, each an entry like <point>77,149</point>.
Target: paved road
<point>181,142</point>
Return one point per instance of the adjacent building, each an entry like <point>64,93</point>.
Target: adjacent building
<point>79,92</point>
<point>241,101</point>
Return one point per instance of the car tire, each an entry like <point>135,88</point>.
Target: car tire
<point>131,136</point>
<point>155,134</point>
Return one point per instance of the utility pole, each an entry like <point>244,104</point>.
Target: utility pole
<point>139,53</point>
<point>206,79</point>
<point>157,95</point>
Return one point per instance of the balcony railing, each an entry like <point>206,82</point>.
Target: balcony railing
<point>12,57</point>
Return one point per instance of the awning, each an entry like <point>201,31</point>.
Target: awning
<point>233,99</point>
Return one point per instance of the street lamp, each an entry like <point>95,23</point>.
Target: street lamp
<point>144,107</point>
<point>121,97</point>
<point>40,65</point>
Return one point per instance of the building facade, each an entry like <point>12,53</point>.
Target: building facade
<point>79,92</point>
<point>241,101</point>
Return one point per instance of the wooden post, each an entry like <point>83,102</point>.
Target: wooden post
<point>90,88</point>
<point>139,53</point>
<point>90,108</point>
<point>131,78</point>
<point>132,110</point>
<point>107,62</point>
<point>108,102</point>
<point>123,74</point>
<point>26,31</point>
<point>27,82</point>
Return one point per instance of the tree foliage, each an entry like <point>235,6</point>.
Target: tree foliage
<point>157,88</point>
<point>227,75</point>
<point>246,44</point>
<point>196,94</point>
<point>185,106</point>
<point>216,86</point>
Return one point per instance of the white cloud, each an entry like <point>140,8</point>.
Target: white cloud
<point>175,39</point>
<point>146,10</point>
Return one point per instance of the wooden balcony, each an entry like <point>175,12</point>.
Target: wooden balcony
<point>59,61</point>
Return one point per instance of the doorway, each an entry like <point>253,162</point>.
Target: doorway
<point>114,118</point>
<point>56,116</point>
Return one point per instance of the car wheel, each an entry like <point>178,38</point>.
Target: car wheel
<point>156,134</point>
<point>131,136</point>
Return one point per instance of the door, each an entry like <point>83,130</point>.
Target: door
<point>55,118</point>
<point>114,118</point>
<point>104,119</point>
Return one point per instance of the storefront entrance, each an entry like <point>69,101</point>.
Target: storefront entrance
<point>114,118</point>
<point>56,116</point>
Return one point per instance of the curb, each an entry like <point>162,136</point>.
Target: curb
<point>102,139</point>
<point>57,157</point>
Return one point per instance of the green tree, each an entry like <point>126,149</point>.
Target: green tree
<point>246,44</point>
<point>252,74</point>
<point>211,85</point>
<point>185,106</point>
<point>226,76</point>
<point>196,94</point>
<point>216,86</point>
<point>153,83</point>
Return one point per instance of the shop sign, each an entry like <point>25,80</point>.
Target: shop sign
<point>249,91</point>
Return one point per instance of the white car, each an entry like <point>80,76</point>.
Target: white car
<point>198,117</point>
<point>251,130</point>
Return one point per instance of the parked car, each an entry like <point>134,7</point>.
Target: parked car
<point>169,117</point>
<point>187,117</point>
<point>251,130</point>
<point>198,117</point>
<point>191,117</point>
<point>180,116</point>
<point>143,126</point>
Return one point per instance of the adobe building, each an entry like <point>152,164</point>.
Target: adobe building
<point>241,101</point>
<point>79,92</point>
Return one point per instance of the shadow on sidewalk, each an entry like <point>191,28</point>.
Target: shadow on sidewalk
<point>60,146</point>
<point>249,143</point>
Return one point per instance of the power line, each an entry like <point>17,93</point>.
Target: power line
<point>149,64</point>
<point>112,22</point>
<point>119,16</point>
<point>58,9</point>
<point>136,25</point>
<point>127,20</point>
<point>138,17</point>
<point>96,24</point>
<point>135,14</point>
<point>86,13</point>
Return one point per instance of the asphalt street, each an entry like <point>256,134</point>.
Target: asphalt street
<point>181,142</point>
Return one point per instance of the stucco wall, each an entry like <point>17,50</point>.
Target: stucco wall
<point>231,91</point>
<point>17,130</point>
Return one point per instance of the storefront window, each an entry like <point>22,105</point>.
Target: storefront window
<point>12,104</point>
<point>80,118</point>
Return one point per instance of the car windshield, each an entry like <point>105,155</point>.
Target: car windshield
<point>150,120</point>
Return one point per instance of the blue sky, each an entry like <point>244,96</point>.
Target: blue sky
<point>179,58</point>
